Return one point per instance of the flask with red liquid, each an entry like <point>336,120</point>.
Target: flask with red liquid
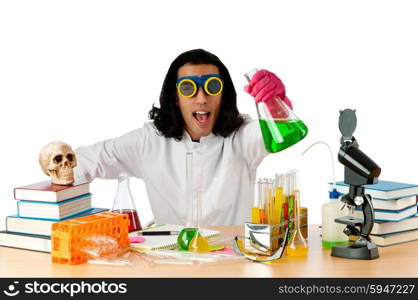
<point>124,203</point>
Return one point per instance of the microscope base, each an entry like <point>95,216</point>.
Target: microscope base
<point>353,251</point>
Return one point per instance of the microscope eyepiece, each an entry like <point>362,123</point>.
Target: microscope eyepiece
<point>359,162</point>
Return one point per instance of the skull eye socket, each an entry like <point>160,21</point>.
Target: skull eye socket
<point>58,159</point>
<point>70,157</point>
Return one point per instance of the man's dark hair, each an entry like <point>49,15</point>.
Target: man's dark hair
<point>168,118</point>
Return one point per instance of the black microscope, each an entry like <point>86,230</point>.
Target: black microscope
<point>359,170</point>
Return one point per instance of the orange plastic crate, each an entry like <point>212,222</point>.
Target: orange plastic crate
<point>68,236</point>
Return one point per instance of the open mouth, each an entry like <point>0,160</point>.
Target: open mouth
<point>201,117</point>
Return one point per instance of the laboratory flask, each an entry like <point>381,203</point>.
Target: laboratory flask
<point>297,245</point>
<point>280,126</point>
<point>190,237</point>
<point>124,203</point>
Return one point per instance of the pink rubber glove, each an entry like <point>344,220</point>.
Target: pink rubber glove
<point>266,85</point>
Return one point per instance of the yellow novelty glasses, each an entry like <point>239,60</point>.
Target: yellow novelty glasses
<point>212,84</point>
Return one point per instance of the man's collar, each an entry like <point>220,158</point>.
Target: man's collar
<point>202,140</point>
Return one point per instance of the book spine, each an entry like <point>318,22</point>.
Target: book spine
<point>71,216</point>
<point>60,202</point>
<point>7,222</point>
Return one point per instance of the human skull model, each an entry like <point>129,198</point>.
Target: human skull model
<point>57,160</point>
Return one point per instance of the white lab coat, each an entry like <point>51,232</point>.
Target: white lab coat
<point>224,170</point>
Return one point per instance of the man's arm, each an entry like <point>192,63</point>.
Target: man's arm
<point>109,158</point>
<point>249,141</point>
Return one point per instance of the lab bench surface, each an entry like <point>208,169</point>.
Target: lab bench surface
<point>395,261</point>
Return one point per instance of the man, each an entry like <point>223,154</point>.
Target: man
<point>197,114</point>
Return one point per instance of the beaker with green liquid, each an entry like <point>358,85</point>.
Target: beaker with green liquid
<point>280,126</point>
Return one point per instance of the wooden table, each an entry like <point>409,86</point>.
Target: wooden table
<point>394,261</point>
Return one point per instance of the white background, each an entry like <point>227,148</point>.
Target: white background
<point>84,71</point>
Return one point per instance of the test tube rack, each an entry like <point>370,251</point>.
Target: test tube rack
<point>265,238</point>
<point>68,237</point>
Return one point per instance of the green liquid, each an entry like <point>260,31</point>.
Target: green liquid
<point>185,237</point>
<point>328,245</point>
<point>291,200</point>
<point>279,135</point>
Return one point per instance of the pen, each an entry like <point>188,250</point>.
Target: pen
<point>158,233</point>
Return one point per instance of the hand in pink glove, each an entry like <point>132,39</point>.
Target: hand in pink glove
<point>266,85</point>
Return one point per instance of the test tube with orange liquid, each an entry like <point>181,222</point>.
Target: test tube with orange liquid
<point>255,210</point>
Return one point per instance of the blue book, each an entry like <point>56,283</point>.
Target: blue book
<point>395,238</point>
<point>395,216</point>
<point>25,241</point>
<point>54,211</point>
<point>381,227</point>
<point>391,215</point>
<point>385,190</point>
<point>40,226</point>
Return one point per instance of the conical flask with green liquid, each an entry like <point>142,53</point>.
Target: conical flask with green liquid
<point>280,126</point>
<point>190,237</point>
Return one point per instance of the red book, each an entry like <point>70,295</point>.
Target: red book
<point>48,192</point>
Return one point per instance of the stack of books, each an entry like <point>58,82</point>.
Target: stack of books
<point>395,211</point>
<point>39,205</point>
